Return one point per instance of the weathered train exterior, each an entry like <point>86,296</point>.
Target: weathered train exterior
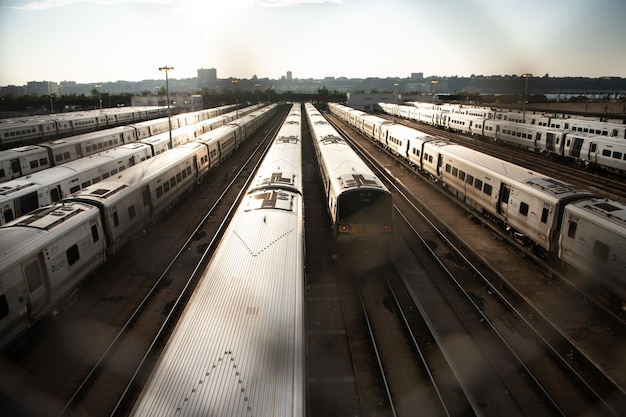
<point>239,344</point>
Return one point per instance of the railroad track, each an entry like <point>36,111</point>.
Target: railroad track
<point>549,366</point>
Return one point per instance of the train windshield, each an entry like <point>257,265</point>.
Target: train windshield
<point>364,207</point>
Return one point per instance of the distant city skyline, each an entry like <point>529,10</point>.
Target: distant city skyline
<point>91,41</point>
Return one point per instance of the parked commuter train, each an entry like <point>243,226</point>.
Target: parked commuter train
<point>595,147</point>
<point>239,344</point>
<point>20,131</point>
<point>582,229</point>
<point>48,252</point>
<point>25,160</point>
<point>22,195</point>
<point>359,204</point>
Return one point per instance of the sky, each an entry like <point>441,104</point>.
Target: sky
<point>111,40</point>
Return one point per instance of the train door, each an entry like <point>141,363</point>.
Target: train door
<point>37,285</point>
<point>576,147</point>
<point>503,200</point>
<point>147,201</point>
<point>550,142</point>
<point>439,164</point>
<point>15,168</point>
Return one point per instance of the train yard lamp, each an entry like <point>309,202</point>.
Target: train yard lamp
<point>395,93</point>
<point>527,76</point>
<point>434,84</point>
<point>167,91</point>
<point>235,81</point>
<point>257,92</point>
<point>51,95</point>
<point>98,86</point>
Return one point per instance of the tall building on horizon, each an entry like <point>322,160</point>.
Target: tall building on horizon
<point>207,77</point>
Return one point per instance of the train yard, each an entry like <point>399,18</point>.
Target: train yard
<point>456,318</point>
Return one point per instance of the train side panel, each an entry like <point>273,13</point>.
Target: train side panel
<point>44,256</point>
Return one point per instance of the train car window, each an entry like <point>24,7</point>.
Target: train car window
<point>132,212</point>
<point>116,220</point>
<point>166,187</point>
<point>189,170</point>
<point>114,171</point>
<point>488,189</point>
<point>58,157</point>
<point>4,306</point>
<point>606,152</point>
<point>593,147</point>
<point>32,273</point>
<point>88,149</point>
<point>121,168</point>
<point>73,255</point>
<point>74,189</point>
<point>571,231</point>
<point>95,180</point>
<point>43,161</point>
<point>173,182</point>
<point>455,171</point>
<point>105,175</point>
<point>523,209</point>
<point>478,184</point>
<point>462,175</point>
<point>94,233</point>
<point>448,168</point>
<point>179,177</point>
<point>469,179</point>
<point>617,155</point>
<point>544,215</point>
<point>66,155</point>
<point>600,250</point>
<point>2,173</point>
<point>159,191</point>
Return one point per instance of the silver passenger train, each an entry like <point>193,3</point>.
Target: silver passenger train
<point>24,160</point>
<point>238,348</point>
<point>573,139</point>
<point>22,195</point>
<point>583,230</point>
<point>23,130</point>
<point>48,252</point>
<point>359,204</point>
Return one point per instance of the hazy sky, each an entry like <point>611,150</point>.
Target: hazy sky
<point>109,40</point>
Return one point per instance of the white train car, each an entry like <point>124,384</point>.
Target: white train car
<point>23,160</point>
<point>593,240</point>
<point>238,348</point>
<point>43,256</point>
<point>530,137</point>
<point>25,194</point>
<point>601,151</point>
<point>359,204</point>
<point>530,203</point>
<point>593,127</point>
<point>80,146</point>
<point>132,199</point>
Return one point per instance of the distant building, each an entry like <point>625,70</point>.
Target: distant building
<point>42,88</point>
<point>289,76</point>
<point>207,78</point>
<point>417,76</point>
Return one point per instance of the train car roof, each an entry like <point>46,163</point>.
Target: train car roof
<point>33,230</point>
<point>611,214</point>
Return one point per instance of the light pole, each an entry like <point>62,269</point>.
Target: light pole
<point>235,81</point>
<point>434,84</point>
<point>395,93</point>
<point>99,95</point>
<point>527,76</point>
<point>257,92</point>
<point>167,90</point>
<point>51,95</point>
